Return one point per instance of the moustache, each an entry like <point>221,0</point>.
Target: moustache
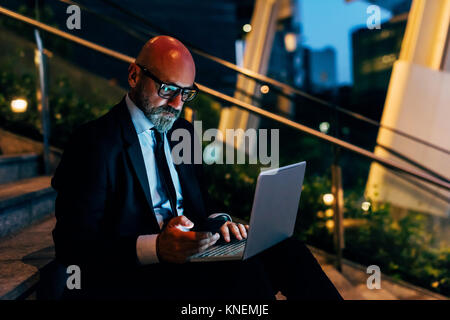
<point>167,109</point>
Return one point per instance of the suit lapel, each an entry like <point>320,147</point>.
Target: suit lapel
<point>134,151</point>
<point>135,154</point>
<point>188,181</point>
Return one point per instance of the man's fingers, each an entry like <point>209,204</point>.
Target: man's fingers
<point>209,244</point>
<point>238,230</point>
<point>208,241</point>
<point>180,220</point>
<point>235,230</point>
<point>242,230</point>
<point>186,222</point>
<point>225,232</point>
<point>202,235</point>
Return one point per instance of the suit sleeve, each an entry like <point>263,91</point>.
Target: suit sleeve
<point>82,207</point>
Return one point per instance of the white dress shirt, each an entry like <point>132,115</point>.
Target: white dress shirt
<point>146,244</point>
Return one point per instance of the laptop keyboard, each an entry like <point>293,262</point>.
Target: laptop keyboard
<point>227,249</point>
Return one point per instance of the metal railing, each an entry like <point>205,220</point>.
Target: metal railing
<point>284,88</point>
<point>391,164</point>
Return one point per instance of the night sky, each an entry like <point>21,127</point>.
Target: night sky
<point>330,23</point>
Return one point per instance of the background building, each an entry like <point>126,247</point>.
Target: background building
<point>320,70</point>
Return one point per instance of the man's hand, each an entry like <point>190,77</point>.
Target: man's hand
<point>175,245</point>
<point>238,230</point>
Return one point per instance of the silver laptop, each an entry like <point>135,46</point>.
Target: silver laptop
<point>273,216</point>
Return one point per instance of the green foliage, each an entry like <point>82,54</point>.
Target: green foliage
<point>402,247</point>
<point>311,225</point>
<point>231,188</point>
<point>67,111</point>
<point>206,110</point>
<point>14,86</point>
<point>47,16</point>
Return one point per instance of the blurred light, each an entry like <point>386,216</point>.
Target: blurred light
<point>37,57</point>
<point>365,206</point>
<point>329,224</point>
<point>247,27</point>
<point>324,127</point>
<point>19,105</point>
<point>328,199</point>
<point>320,214</point>
<point>329,213</point>
<point>264,89</point>
<point>389,58</point>
<point>290,42</point>
<point>189,114</point>
<point>435,284</point>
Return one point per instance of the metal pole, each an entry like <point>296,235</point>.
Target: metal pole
<point>42,98</point>
<point>338,208</point>
<point>338,193</point>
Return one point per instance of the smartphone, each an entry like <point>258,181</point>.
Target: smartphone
<point>210,225</point>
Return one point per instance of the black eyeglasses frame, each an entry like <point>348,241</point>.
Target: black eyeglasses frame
<point>162,85</point>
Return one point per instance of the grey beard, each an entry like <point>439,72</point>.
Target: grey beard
<point>162,122</point>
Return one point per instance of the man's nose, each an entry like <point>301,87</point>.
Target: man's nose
<point>176,102</point>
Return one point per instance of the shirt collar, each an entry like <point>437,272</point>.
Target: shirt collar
<point>140,121</point>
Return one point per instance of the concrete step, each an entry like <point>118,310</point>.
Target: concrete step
<point>345,288</point>
<point>24,257</point>
<point>18,167</point>
<point>391,289</point>
<point>352,282</point>
<point>24,202</point>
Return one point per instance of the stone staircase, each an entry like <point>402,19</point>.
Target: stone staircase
<point>351,282</point>
<point>26,201</point>
<point>25,196</point>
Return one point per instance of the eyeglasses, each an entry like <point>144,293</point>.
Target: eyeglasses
<point>170,91</point>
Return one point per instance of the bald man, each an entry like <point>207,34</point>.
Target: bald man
<point>125,211</point>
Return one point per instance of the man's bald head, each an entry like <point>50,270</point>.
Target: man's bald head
<point>170,62</point>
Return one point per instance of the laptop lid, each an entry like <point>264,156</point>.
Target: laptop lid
<point>275,206</point>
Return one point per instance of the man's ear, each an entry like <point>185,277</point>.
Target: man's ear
<point>132,75</point>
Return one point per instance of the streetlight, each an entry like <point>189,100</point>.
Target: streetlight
<point>328,199</point>
<point>329,213</point>
<point>264,89</point>
<point>324,127</point>
<point>365,206</point>
<point>329,224</point>
<point>290,41</point>
<point>19,105</point>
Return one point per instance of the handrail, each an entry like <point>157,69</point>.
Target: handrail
<point>414,163</point>
<point>134,34</point>
<point>262,78</point>
<point>348,146</point>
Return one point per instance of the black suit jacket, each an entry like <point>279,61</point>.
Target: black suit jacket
<point>103,198</point>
